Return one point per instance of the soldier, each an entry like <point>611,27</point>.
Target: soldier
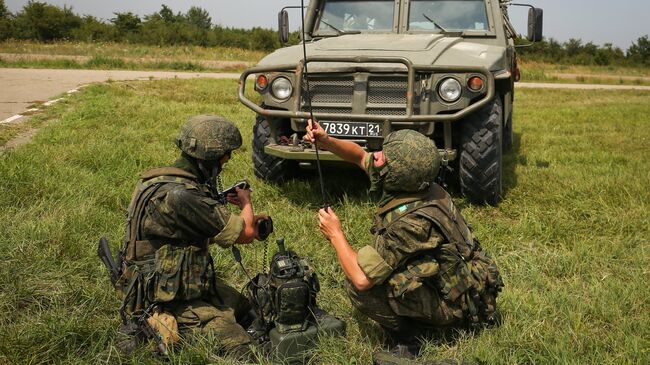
<point>425,270</point>
<point>175,212</point>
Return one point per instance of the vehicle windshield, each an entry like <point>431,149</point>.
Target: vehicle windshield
<point>447,15</point>
<point>340,16</point>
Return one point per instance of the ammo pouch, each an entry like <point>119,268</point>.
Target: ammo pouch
<point>413,276</point>
<point>284,297</point>
<point>172,273</point>
<point>131,287</point>
<point>180,273</point>
<point>474,283</point>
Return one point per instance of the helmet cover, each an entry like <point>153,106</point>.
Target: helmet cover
<point>208,137</point>
<point>412,161</point>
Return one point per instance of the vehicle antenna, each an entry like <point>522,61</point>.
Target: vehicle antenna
<point>305,79</point>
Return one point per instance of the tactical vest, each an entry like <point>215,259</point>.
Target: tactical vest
<point>156,271</point>
<point>459,269</point>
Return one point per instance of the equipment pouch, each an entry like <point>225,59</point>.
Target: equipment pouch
<point>132,286</point>
<point>180,273</point>
<point>258,293</point>
<point>196,274</point>
<point>488,284</point>
<point>292,306</point>
<point>166,278</point>
<point>455,278</point>
<point>413,276</point>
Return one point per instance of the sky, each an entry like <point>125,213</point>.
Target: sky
<point>619,22</point>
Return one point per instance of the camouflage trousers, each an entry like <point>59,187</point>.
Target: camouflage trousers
<point>411,314</point>
<point>220,315</point>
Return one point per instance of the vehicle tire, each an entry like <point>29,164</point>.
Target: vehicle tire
<point>480,163</point>
<point>267,167</point>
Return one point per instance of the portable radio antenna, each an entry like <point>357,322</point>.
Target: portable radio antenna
<point>305,79</point>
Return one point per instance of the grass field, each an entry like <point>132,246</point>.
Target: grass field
<point>80,55</point>
<point>181,53</point>
<point>571,236</point>
<point>608,75</point>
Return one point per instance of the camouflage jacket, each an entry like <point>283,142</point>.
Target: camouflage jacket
<point>422,239</point>
<point>180,211</point>
<point>171,220</point>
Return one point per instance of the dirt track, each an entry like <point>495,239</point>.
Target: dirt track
<point>22,88</point>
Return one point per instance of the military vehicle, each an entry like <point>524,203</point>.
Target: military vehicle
<point>445,68</point>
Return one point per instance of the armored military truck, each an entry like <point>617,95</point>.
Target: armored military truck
<point>445,68</point>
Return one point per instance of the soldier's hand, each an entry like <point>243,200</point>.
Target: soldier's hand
<point>244,197</point>
<point>329,223</point>
<point>233,199</point>
<point>315,132</point>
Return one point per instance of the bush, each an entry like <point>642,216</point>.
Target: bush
<point>43,22</point>
<point>639,52</point>
<point>93,30</point>
<point>6,22</point>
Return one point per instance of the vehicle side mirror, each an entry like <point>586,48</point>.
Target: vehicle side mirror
<point>283,26</point>
<point>535,23</point>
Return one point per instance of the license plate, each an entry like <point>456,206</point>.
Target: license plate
<point>355,129</point>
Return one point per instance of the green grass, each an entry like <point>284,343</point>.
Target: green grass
<point>109,63</point>
<point>608,75</point>
<point>571,236</point>
<point>80,55</point>
<point>125,50</point>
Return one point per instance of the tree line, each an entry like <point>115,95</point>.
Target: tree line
<point>39,21</point>
<point>575,52</point>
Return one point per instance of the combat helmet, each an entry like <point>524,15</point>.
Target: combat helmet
<point>412,161</point>
<point>208,137</point>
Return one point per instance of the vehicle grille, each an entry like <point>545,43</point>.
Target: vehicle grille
<point>382,94</point>
<point>331,90</point>
<point>387,90</point>
<point>384,111</point>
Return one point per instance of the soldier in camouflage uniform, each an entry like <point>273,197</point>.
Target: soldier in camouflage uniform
<point>425,269</point>
<point>174,215</point>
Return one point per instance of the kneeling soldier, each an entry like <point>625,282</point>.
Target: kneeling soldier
<point>425,269</point>
<point>168,278</point>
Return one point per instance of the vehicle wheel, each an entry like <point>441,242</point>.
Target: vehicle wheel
<point>267,167</point>
<point>481,154</point>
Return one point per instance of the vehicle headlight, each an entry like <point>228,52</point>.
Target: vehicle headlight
<point>281,88</point>
<point>450,90</point>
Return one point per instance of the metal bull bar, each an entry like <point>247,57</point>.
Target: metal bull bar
<point>412,70</point>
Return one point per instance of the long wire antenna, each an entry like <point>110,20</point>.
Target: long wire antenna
<point>305,78</point>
